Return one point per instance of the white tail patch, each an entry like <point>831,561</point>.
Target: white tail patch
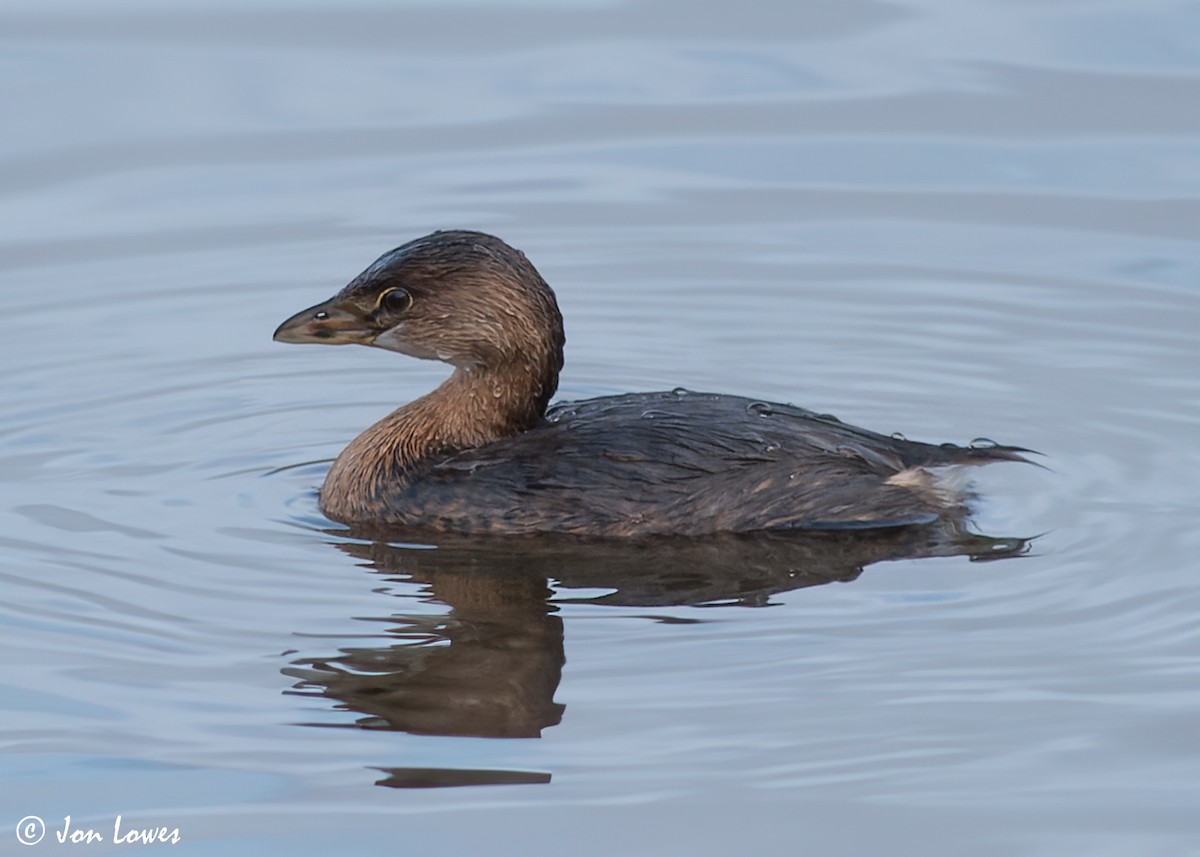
<point>946,485</point>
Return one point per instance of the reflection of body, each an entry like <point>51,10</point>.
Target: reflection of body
<point>481,454</point>
<point>490,667</point>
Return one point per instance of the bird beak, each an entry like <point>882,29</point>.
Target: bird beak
<point>329,323</point>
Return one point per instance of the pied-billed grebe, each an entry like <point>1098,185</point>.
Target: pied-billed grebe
<point>482,454</point>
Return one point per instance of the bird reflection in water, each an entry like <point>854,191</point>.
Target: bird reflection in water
<point>488,668</point>
<point>491,665</point>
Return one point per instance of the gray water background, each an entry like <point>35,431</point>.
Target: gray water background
<point>944,218</point>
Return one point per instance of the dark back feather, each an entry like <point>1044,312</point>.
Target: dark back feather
<point>682,463</point>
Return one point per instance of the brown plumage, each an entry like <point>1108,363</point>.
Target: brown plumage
<point>482,454</point>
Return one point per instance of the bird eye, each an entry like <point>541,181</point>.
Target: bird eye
<point>395,300</point>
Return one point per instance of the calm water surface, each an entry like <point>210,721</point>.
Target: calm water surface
<point>941,218</point>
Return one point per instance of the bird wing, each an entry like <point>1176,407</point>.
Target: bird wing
<point>663,462</point>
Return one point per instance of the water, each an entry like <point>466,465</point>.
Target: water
<point>946,219</point>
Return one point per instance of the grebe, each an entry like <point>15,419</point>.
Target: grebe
<point>483,454</point>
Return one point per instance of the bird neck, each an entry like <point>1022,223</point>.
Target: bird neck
<point>474,406</point>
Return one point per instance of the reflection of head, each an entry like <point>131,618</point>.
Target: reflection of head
<point>489,668</point>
